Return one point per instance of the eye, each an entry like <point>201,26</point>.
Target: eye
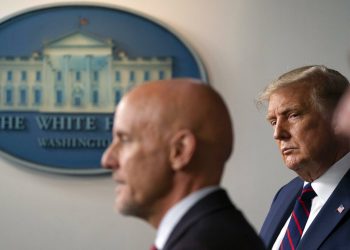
<point>293,115</point>
<point>273,122</point>
<point>124,138</point>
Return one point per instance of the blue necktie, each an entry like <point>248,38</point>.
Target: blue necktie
<point>300,214</point>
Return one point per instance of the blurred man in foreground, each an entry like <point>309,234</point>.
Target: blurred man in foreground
<point>171,140</point>
<point>311,211</point>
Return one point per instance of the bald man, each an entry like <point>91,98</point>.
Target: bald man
<point>171,140</point>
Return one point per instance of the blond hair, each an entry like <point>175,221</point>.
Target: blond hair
<point>327,86</point>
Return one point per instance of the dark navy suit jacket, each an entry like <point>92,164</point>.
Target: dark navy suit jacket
<point>213,223</point>
<point>330,230</point>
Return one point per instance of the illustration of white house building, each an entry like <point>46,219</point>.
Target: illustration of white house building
<point>78,72</point>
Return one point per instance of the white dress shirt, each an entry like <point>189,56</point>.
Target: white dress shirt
<point>174,214</point>
<point>323,187</point>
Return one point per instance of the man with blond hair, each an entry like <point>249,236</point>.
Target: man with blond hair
<point>311,211</point>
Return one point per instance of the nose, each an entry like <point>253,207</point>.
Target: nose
<point>281,131</point>
<point>109,158</point>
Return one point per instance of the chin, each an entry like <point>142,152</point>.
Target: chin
<point>122,210</point>
<point>294,168</point>
<point>119,205</point>
<point>128,208</point>
<point>293,165</point>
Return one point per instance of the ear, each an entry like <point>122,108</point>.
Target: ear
<point>183,145</point>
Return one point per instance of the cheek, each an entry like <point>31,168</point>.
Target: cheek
<point>316,137</point>
<point>154,166</point>
<point>131,170</point>
<point>305,136</point>
<point>131,164</point>
<point>132,177</point>
<point>144,171</point>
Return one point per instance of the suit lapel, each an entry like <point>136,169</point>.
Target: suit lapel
<point>280,212</point>
<point>337,206</point>
<point>213,202</point>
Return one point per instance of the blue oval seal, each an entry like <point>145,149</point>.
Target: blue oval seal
<point>62,71</point>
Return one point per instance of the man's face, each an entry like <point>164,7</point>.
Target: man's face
<point>138,156</point>
<point>304,137</point>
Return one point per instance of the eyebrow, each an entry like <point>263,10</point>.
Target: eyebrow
<point>119,133</point>
<point>285,111</point>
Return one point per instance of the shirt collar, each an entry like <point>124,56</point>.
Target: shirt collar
<point>174,214</point>
<point>326,184</point>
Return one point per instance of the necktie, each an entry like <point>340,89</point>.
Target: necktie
<point>153,247</point>
<point>300,214</point>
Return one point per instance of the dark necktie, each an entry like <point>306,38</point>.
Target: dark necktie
<point>298,219</point>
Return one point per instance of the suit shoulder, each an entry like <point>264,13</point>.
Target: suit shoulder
<point>222,229</point>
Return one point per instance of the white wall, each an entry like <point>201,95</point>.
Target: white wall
<point>244,44</point>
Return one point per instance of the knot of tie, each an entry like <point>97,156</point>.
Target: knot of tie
<point>308,193</point>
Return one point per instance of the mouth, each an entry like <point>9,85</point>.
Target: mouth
<point>119,182</point>
<point>288,150</point>
<point>117,179</point>
<point>119,187</point>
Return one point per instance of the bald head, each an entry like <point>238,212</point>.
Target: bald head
<point>170,138</point>
<point>187,104</point>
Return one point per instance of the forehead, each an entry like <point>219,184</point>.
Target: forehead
<point>126,115</point>
<point>298,96</point>
<point>135,117</point>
